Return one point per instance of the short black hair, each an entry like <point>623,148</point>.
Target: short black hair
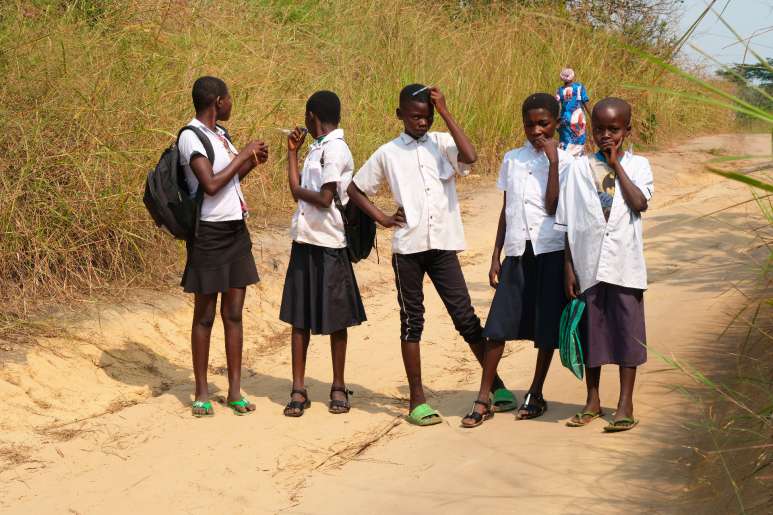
<point>544,101</point>
<point>326,106</point>
<point>206,90</point>
<point>617,104</point>
<point>407,94</point>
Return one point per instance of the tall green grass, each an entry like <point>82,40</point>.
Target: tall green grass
<point>93,91</point>
<point>737,401</point>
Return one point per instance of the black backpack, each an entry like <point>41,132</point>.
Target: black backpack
<point>167,196</point>
<point>359,228</point>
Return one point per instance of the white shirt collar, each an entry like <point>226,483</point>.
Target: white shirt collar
<point>408,139</point>
<point>335,134</point>
<point>198,123</point>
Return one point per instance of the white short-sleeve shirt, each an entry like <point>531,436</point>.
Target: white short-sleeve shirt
<point>226,204</point>
<point>422,177</point>
<point>524,177</point>
<point>324,226</point>
<point>605,251</point>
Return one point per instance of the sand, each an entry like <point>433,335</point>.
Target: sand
<point>97,419</point>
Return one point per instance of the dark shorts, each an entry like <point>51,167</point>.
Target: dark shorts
<point>613,326</point>
<point>320,292</point>
<point>219,258</point>
<point>529,299</point>
<point>445,271</point>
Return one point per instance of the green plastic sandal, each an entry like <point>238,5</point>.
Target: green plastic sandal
<point>503,400</point>
<point>621,424</point>
<point>206,406</point>
<point>424,415</point>
<point>241,403</point>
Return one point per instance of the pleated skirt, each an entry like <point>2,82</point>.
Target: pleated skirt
<point>320,291</point>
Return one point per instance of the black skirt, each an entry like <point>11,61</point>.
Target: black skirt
<point>529,299</point>
<point>219,258</point>
<point>320,292</point>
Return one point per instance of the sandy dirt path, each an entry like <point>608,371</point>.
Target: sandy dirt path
<point>98,420</point>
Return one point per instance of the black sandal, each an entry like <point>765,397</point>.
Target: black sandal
<point>296,408</point>
<point>534,405</point>
<point>479,418</point>
<point>337,406</point>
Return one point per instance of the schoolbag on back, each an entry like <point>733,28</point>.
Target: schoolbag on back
<point>359,228</point>
<point>167,196</point>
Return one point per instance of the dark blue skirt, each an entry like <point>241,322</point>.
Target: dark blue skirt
<point>529,299</point>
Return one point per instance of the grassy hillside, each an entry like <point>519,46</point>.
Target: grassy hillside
<point>92,92</point>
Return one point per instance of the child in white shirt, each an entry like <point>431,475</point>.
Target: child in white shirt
<point>600,210</point>
<point>320,293</point>
<point>421,168</point>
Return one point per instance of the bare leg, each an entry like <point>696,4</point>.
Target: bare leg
<point>412,362</point>
<point>231,313</point>
<point>480,351</point>
<point>491,359</point>
<point>338,341</point>
<point>299,346</point>
<point>201,329</point>
<point>593,402</point>
<point>544,357</point>
<point>625,404</point>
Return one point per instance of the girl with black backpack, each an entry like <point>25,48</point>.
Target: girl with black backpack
<point>219,255</point>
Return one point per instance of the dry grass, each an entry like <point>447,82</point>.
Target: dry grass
<point>92,92</point>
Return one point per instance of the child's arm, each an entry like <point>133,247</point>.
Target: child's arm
<point>571,287</point>
<point>631,193</point>
<point>466,149</point>
<point>212,182</point>
<point>370,209</point>
<point>550,147</point>
<point>496,256</point>
<point>260,156</point>
<point>322,198</point>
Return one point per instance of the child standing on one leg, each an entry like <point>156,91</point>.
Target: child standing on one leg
<point>573,97</point>
<point>600,209</point>
<point>320,292</point>
<point>421,168</point>
<point>529,283</point>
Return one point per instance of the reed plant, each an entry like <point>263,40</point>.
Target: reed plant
<point>93,91</point>
<point>735,436</point>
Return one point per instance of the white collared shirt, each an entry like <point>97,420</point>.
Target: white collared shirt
<point>422,176</point>
<point>226,204</point>
<point>605,251</point>
<point>524,177</point>
<point>324,226</point>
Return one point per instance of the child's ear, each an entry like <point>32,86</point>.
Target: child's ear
<point>399,114</point>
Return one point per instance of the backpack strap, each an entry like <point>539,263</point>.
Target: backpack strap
<point>211,156</point>
<point>204,140</point>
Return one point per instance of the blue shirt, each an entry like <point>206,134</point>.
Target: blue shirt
<point>572,120</point>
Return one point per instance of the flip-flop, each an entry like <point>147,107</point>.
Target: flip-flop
<point>577,419</point>
<point>241,403</point>
<point>621,424</point>
<point>503,400</point>
<point>424,415</point>
<point>206,406</point>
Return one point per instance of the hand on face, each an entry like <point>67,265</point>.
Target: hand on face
<point>295,139</point>
<point>550,147</point>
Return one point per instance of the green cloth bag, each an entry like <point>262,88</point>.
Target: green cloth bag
<point>569,347</point>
